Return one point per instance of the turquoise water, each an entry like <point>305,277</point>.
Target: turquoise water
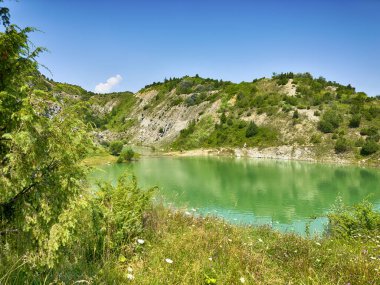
<point>287,195</point>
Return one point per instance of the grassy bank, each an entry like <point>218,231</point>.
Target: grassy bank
<point>210,251</point>
<point>175,248</point>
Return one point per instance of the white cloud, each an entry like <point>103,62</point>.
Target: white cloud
<point>109,84</point>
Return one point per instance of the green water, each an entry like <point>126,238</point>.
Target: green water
<point>285,195</point>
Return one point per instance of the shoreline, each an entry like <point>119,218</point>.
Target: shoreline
<point>281,153</point>
<point>284,153</point>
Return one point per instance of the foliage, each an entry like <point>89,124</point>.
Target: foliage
<point>116,147</point>
<point>127,155</point>
<point>330,121</point>
<point>118,214</point>
<point>346,221</point>
<point>316,139</point>
<point>97,230</point>
<point>369,147</point>
<point>41,145</point>
<point>341,145</point>
<point>370,131</point>
<point>252,130</point>
<point>355,121</point>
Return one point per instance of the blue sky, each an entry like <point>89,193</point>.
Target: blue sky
<point>145,41</point>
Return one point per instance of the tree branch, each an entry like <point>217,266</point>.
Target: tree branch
<point>28,188</point>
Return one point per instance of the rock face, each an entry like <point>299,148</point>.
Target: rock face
<point>156,122</point>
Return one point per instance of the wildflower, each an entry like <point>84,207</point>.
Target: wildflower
<point>242,280</point>
<point>129,269</point>
<point>140,241</point>
<point>210,258</point>
<point>260,240</point>
<point>187,213</point>
<point>168,260</point>
<point>130,276</point>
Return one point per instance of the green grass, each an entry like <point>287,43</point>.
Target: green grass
<point>207,249</point>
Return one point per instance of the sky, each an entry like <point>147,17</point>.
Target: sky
<point>120,45</point>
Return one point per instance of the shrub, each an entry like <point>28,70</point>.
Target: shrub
<point>330,121</point>
<point>315,139</point>
<point>369,147</point>
<point>185,86</point>
<point>370,131</point>
<point>120,210</point>
<point>355,121</point>
<point>341,145</point>
<point>347,221</point>
<point>223,118</point>
<point>360,142</point>
<point>252,130</point>
<point>126,155</point>
<point>115,147</point>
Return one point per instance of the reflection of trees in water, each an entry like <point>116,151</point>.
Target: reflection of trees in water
<point>280,189</point>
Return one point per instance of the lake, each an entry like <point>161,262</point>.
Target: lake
<point>287,195</point>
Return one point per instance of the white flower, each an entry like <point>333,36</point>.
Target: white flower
<point>130,276</point>
<point>242,279</point>
<point>140,241</point>
<point>168,260</point>
<point>129,269</point>
<point>260,240</point>
<point>210,258</point>
<point>187,213</point>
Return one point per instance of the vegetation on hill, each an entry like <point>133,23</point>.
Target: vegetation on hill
<point>288,109</point>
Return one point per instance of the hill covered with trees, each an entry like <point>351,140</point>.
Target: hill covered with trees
<point>288,116</point>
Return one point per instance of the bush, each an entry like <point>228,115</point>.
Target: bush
<point>355,121</point>
<point>370,131</point>
<point>369,147</point>
<point>115,147</point>
<point>127,155</point>
<point>315,139</point>
<point>359,142</point>
<point>347,221</point>
<point>120,211</point>
<point>252,130</point>
<point>341,145</point>
<point>185,86</point>
<point>330,121</point>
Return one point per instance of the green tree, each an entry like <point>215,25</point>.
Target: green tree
<point>369,148</point>
<point>41,145</point>
<point>355,121</point>
<point>126,155</point>
<point>116,147</point>
<point>252,130</point>
<point>341,145</point>
<point>330,121</point>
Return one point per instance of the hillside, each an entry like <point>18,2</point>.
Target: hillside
<point>286,116</point>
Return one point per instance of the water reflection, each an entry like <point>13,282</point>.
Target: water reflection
<point>282,193</point>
